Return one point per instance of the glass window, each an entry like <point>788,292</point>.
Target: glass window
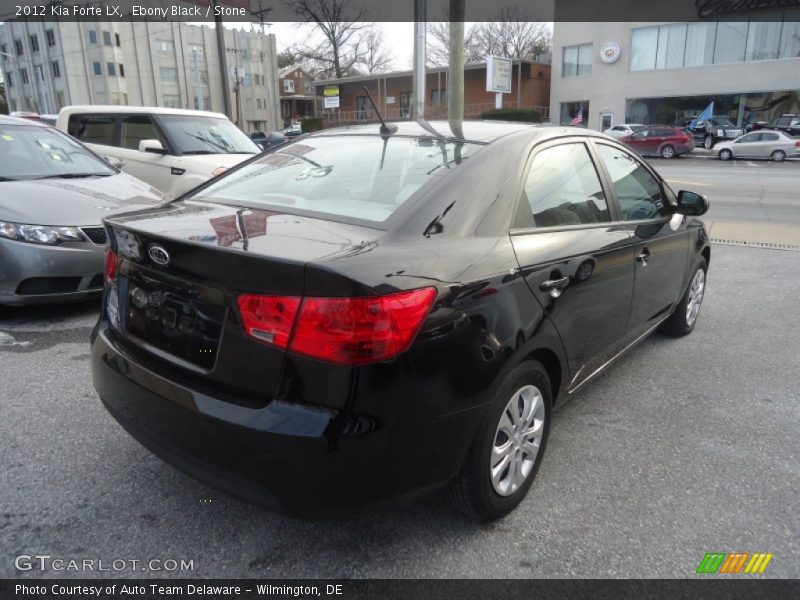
<point>585,59</point>
<point>19,47</point>
<point>762,40</point>
<point>700,44</point>
<point>34,42</point>
<point>644,45</point>
<point>575,113</point>
<point>769,137</point>
<point>98,68</point>
<point>56,69</point>
<point>563,188</point>
<point>750,137</point>
<point>172,101</point>
<point>731,42</point>
<point>356,177</point>
<point>577,60</point>
<point>107,38</point>
<point>23,73</point>
<point>639,194</point>
<point>206,135</point>
<point>790,36</point>
<point>168,74</point>
<point>92,129</point>
<point>165,45</point>
<point>121,70</point>
<point>51,37</point>
<point>671,46</point>
<point>92,36</point>
<point>135,128</point>
<point>10,80</point>
<point>112,69</point>
<point>116,39</point>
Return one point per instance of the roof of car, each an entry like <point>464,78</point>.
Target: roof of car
<point>473,131</point>
<point>4,120</point>
<point>156,110</point>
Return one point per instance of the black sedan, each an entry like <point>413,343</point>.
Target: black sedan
<point>362,315</point>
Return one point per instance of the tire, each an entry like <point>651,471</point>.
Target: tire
<point>473,491</point>
<point>778,156</point>
<point>668,152</point>
<point>680,322</point>
<point>725,154</point>
<point>708,142</point>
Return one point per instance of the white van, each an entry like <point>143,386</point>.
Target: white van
<point>173,150</point>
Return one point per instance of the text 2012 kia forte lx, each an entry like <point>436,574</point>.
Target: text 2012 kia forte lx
<point>364,314</point>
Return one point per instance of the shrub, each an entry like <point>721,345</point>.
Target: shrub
<point>309,124</point>
<point>528,115</point>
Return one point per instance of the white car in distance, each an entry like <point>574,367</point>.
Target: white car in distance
<point>620,131</point>
<point>174,150</point>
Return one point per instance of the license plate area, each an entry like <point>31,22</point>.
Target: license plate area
<point>172,318</point>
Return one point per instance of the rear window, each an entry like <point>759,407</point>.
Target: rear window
<point>356,177</point>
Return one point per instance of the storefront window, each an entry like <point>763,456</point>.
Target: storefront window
<point>575,113</point>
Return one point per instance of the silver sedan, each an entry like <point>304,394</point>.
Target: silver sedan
<point>54,193</point>
<point>773,145</point>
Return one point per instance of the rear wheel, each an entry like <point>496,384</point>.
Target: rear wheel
<point>778,156</point>
<point>725,154</point>
<point>668,152</point>
<point>684,318</point>
<point>508,447</point>
<point>708,142</point>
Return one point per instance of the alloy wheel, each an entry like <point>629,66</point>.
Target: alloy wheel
<point>708,143</point>
<point>778,156</point>
<point>695,296</point>
<point>517,440</point>
<point>668,152</point>
<point>725,154</point>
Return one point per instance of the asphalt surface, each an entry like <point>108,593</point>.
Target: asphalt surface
<point>685,447</point>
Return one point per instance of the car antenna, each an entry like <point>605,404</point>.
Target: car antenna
<point>385,129</point>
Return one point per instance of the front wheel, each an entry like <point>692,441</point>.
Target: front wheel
<point>778,156</point>
<point>668,152</point>
<point>508,447</point>
<point>725,154</point>
<point>708,142</point>
<point>682,321</point>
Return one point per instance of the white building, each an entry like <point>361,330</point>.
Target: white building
<point>666,73</point>
<point>47,66</point>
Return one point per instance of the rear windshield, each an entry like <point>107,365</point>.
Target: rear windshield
<point>356,177</point>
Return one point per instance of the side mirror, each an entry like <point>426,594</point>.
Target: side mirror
<point>113,161</point>
<point>692,204</point>
<point>153,146</point>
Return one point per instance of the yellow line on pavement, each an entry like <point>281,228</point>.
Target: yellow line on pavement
<point>688,182</point>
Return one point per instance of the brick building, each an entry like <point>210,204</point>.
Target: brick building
<point>296,91</point>
<point>530,88</point>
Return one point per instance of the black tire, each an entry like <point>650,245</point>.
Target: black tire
<point>668,151</point>
<point>677,324</point>
<point>472,491</point>
<point>778,156</point>
<point>725,154</point>
<point>708,142</point>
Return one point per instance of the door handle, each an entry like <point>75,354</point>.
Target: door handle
<point>554,286</point>
<point>643,257</point>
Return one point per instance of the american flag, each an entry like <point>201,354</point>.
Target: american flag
<point>578,118</point>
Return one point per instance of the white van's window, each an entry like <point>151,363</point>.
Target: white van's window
<point>196,134</point>
<point>357,177</point>
<point>93,129</point>
<point>135,128</point>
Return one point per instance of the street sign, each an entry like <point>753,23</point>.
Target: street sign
<point>330,102</point>
<point>498,74</point>
<point>330,90</point>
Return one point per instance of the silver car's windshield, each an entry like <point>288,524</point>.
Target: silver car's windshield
<point>35,152</point>
<point>356,177</point>
<point>206,135</point>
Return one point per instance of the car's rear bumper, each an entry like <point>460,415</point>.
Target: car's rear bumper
<point>301,457</point>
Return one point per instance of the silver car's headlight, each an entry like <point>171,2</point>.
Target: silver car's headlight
<point>40,234</point>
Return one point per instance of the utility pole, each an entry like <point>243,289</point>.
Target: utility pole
<point>455,79</point>
<point>223,66</point>
<point>420,30</point>
<point>236,91</point>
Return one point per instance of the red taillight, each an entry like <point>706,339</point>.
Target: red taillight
<point>347,331</point>
<point>797,144</point>
<point>269,318</point>
<point>110,267</point>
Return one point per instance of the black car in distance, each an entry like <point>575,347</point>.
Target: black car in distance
<point>363,314</point>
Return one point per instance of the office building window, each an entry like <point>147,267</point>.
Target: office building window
<point>121,70</point>
<point>23,74</point>
<point>56,69</point>
<point>98,68</point>
<point>107,38</point>
<point>731,42</point>
<point>112,69</point>
<point>34,42</point>
<point>18,46</point>
<point>258,103</point>
<point>577,60</point>
<point>4,50</point>
<point>51,37</point>
<point>169,74</point>
<point>763,40</point>
<point>206,103</point>
<point>172,101</point>
<point>116,39</point>
<point>790,35</point>
<point>9,80</point>
<point>165,45</point>
<point>92,36</point>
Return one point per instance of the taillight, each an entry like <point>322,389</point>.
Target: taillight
<point>797,144</point>
<point>346,331</point>
<point>110,267</point>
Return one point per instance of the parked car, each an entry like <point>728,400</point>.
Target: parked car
<point>707,133</point>
<point>667,142</point>
<point>789,123</point>
<point>267,140</point>
<point>28,116</point>
<point>173,150</point>
<point>774,145</point>
<point>369,313</point>
<point>53,195</point>
<point>620,131</point>
<point>292,131</point>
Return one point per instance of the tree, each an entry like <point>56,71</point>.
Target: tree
<point>376,58</point>
<point>288,58</point>
<point>438,40</point>
<point>343,26</point>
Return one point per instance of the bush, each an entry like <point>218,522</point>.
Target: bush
<point>528,115</point>
<point>309,124</point>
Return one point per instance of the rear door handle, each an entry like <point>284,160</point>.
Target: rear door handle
<point>554,286</point>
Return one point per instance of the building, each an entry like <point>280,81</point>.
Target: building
<point>296,88</point>
<point>392,92</point>
<point>667,73</point>
<point>49,65</point>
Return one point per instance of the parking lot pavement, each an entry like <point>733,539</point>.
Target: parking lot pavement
<point>685,447</point>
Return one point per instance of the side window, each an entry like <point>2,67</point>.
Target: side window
<point>769,137</point>
<point>563,188</point>
<point>92,129</point>
<point>639,193</point>
<point>135,128</point>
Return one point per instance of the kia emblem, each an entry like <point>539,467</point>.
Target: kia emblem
<point>158,255</point>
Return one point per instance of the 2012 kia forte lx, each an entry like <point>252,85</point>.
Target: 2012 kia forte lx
<point>369,313</point>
